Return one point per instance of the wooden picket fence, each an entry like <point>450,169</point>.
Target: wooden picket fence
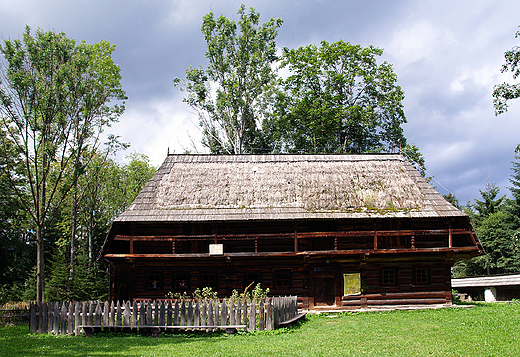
<point>73,317</point>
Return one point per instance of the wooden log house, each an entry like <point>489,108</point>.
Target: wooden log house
<point>335,230</point>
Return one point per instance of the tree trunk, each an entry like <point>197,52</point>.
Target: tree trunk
<point>40,264</point>
<point>73,234</point>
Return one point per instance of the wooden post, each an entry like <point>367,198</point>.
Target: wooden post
<point>169,312</point>
<point>450,237</point>
<point>295,241</point>
<point>118,314</point>
<point>252,315</point>
<point>156,313</point>
<point>261,319</point>
<point>162,317</point>
<point>183,313</point>
<point>190,314</point>
<point>210,313</point>
<point>216,313</point>
<point>269,314</point>
<point>70,318</point>
<point>176,314</point>
<point>142,313</point>
<point>63,319</point>
<point>197,314</point>
<point>204,312</point>
<point>126,314</point>
<point>56,318</point>
<point>32,317</point>
<point>375,236</point>
<point>148,314</point>
<point>239,313</point>
<point>223,313</point>
<point>106,313</point>
<point>134,314</point>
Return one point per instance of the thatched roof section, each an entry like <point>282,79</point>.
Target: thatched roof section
<point>268,187</point>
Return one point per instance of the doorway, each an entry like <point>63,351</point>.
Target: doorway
<point>324,290</point>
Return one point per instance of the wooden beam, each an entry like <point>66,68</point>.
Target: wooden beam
<point>331,253</point>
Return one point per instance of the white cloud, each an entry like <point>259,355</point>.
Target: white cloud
<point>417,41</point>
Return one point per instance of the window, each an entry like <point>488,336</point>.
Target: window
<point>209,280</point>
<point>421,276</point>
<point>255,278</point>
<point>181,281</point>
<point>283,279</point>
<point>154,281</point>
<point>388,276</point>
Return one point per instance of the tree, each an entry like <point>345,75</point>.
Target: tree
<point>504,92</point>
<point>338,99</point>
<point>490,204</point>
<point>55,99</point>
<point>228,95</point>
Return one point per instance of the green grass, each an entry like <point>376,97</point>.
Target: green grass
<point>486,330</point>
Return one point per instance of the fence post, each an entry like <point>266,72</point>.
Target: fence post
<point>197,314</point>
<point>70,318</point>
<point>32,318</point>
<point>204,313</point>
<point>261,319</point>
<point>134,314</point>
<point>223,313</point>
<point>142,313</point>
<point>252,315</point>
<point>169,314</point>
<point>183,313</point>
<point>77,318</point>
<point>126,314</point>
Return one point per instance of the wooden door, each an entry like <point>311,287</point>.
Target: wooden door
<point>324,290</point>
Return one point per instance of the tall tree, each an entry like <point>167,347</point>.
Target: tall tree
<point>504,92</point>
<point>55,100</point>
<point>337,98</point>
<point>228,95</point>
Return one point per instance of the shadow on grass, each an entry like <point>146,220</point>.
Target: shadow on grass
<point>17,341</point>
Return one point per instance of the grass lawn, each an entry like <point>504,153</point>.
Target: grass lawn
<point>486,330</point>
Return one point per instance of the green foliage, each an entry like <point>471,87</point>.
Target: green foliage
<point>228,95</point>
<point>338,99</point>
<point>55,99</point>
<point>497,226</point>
<point>504,92</point>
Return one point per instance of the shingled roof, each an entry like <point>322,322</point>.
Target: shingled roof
<point>271,187</point>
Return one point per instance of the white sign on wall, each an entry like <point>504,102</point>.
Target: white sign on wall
<point>216,249</point>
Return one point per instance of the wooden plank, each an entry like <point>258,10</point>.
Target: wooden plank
<point>142,313</point>
<point>70,318</point>
<point>169,314</point>
<point>155,313</point>
<point>176,315</point>
<point>261,319</point>
<point>56,318</point>
<point>106,313</point>
<point>190,313</point>
<point>126,314</point>
<point>224,313</point>
<point>197,314</point>
<point>183,313</point>
<point>63,319</point>
<point>252,316</point>
<point>203,313</point>
<point>162,314</point>
<point>135,314</point>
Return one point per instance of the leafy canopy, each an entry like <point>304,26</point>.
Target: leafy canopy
<point>338,99</point>
<point>504,92</point>
<point>228,95</point>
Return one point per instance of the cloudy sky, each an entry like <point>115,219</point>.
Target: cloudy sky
<point>446,54</point>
